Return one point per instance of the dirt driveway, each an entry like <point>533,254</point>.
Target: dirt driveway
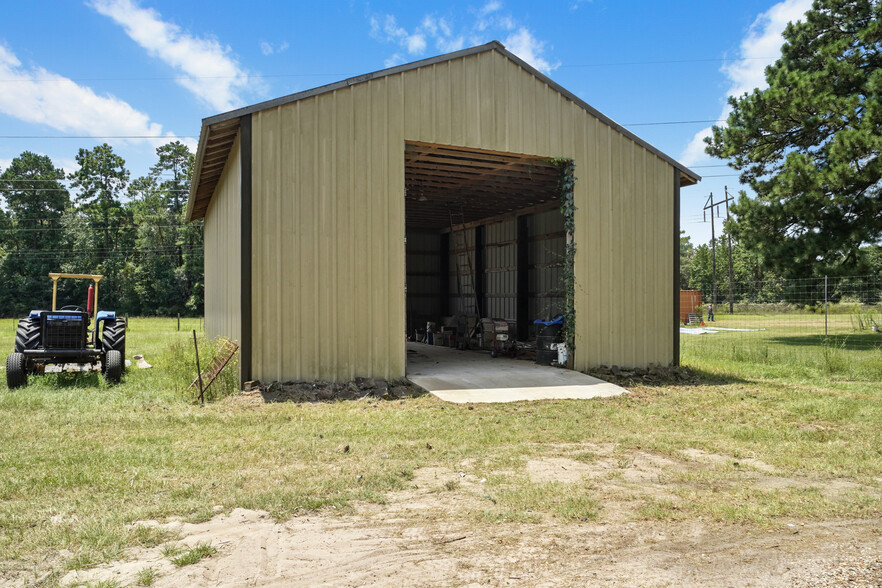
<point>429,535</point>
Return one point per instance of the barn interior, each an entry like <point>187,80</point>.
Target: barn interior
<point>485,240</point>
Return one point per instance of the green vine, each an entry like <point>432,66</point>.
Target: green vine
<point>566,188</point>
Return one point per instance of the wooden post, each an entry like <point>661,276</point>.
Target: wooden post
<point>179,321</point>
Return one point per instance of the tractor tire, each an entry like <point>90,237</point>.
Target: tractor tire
<point>113,366</point>
<point>16,372</point>
<point>28,334</point>
<point>113,336</point>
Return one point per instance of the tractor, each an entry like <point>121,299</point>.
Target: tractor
<point>63,335</point>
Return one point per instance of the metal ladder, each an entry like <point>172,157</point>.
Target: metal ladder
<point>460,249</point>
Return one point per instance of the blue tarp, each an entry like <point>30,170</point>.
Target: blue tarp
<point>557,321</point>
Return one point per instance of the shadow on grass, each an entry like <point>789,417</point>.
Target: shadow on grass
<point>681,376</point>
<point>318,391</point>
<point>857,341</point>
<point>70,380</point>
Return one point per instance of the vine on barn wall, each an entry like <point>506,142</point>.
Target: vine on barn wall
<point>566,186</point>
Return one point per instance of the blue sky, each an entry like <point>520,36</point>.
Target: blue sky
<point>76,73</point>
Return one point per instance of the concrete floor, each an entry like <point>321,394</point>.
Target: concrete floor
<point>474,376</point>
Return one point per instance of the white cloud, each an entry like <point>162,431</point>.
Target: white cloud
<point>489,17</point>
<point>36,95</point>
<point>694,152</point>
<point>390,31</point>
<point>489,22</point>
<point>492,6</point>
<point>396,59</point>
<point>416,44</point>
<point>217,78</point>
<point>449,45</point>
<point>523,44</point>
<point>67,164</point>
<point>760,47</point>
<point>269,48</point>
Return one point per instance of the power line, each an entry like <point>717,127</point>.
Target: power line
<point>66,179</point>
<point>124,190</point>
<point>673,122</point>
<point>98,137</point>
<point>173,78</point>
<point>668,61</point>
<point>95,229</point>
<point>61,218</point>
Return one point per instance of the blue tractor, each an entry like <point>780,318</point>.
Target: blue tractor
<point>66,335</point>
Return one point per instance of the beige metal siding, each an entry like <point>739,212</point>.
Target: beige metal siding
<point>328,240</point>
<point>222,253</point>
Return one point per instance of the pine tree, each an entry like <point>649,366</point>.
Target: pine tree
<point>809,144</point>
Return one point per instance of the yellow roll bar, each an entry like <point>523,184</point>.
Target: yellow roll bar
<point>94,277</point>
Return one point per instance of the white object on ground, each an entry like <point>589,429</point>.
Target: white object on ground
<point>688,331</point>
<point>727,329</point>
<point>142,363</point>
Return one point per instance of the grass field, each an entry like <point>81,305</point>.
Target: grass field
<point>789,347</point>
<point>80,460</point>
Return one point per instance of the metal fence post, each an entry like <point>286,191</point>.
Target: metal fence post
<point>825,306</point>
<point>198,370</point>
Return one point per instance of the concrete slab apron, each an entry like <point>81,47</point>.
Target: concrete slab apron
<point>469,376</point>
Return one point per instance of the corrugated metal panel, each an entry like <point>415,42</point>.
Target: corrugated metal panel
<point>501,275</point>
<point>423,278</point>
<point>222,256</point>
<point>329,256</point>
<point>546,260</point>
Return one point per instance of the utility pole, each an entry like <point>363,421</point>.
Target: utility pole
<point>731,272</point>
<point>709,204</point>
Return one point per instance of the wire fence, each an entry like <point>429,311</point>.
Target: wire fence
<point>843,312</point>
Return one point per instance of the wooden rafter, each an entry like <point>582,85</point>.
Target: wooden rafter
<point>482,183</point>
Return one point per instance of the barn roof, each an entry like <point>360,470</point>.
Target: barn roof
<point>219,132</point>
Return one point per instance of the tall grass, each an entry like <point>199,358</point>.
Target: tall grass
<point>786,350</point>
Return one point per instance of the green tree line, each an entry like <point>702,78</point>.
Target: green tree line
<point>97,220</point>
<point>754,282</point>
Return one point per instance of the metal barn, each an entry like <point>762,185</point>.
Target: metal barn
<point>336,219</point>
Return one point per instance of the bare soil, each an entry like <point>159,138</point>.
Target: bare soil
<point>431,535</point>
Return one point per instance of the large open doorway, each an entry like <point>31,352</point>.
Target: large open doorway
<point>485,240</point>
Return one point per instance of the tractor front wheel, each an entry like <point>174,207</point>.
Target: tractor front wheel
<point>16,372</point>
<point>113,336</point>
<point>113,366</point>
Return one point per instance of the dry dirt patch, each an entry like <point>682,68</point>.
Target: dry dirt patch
<point>358,550</point>
<point>428,535</point>
<point>715,458</point>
